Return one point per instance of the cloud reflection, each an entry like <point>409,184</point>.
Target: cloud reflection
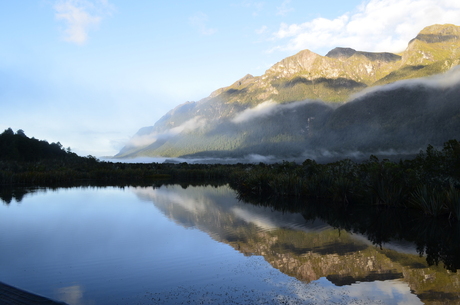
<point>322,291</point>
<point>71,295</point>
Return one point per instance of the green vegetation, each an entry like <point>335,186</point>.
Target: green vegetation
<point>18,147</point>
<point>334,78</point>
<point>299,88</point>
<point>25,160</point>
<point>414,200</point>
<point>404,118</point>
<point>429,183</point>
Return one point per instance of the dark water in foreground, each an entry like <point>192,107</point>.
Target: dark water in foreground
<point>200,245</point>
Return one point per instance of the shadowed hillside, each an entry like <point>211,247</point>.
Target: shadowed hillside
<point>308,103</point>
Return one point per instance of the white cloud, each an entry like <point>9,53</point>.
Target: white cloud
<point>376,25</point>
<point>323,291</point>
<point>71,294</point>
<point>264,109</point>
<point>199,20</point>
<point>80,16</point>
<point>445,80</point>
<point>173,196</point>
<point>256,218</point>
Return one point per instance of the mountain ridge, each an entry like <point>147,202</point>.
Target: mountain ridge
<point>207,126</point>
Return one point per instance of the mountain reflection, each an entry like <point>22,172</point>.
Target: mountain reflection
<point>357,251</point>
<point>318,243</point>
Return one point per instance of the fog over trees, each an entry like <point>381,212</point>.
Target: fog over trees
<point>398,118</point>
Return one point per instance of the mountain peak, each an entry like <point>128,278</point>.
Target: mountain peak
<point>209,123</point>
<point>244,80</point>
<point>442,29</point>
<point>341,53</point>
<point>438,33</point>
<point>345,53</point>
<point>303,60</point>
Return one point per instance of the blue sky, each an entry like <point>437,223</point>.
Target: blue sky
<point>90,73</point>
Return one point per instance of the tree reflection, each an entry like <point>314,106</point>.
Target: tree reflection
<point>8,194</point>
<point>436,239</point>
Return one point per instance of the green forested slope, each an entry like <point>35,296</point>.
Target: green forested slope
<point>400,116</point>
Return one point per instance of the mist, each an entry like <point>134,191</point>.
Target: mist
<point>398,119</point>
<point>140,140</point>
<point>266,109</point>
<point>439,81</point>
<point>389,121</point>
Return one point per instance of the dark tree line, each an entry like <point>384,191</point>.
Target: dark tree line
<point>18,147</point>
<point>430,182</point>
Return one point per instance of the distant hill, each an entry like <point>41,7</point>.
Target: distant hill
<point>308,104</point>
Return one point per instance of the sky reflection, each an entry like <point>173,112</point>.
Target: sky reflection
<point>170,244</point>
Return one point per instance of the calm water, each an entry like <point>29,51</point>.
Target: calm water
<point>200,245</point>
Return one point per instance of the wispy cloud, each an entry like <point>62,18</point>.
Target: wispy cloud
<point>445,80</point>
<point>261,30</point>
<point>284,9</point>
<point>256,6</point>
<point>190,125</point>
<point>265,109</point>
<point>376,25</point>
<point>262,109</point>
<point>200,20</point>
<point>80,16</point>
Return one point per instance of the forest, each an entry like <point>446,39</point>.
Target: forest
<point>428,184</point>
<point>401,118</point>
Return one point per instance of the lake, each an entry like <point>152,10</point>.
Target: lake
<point>178,244</point>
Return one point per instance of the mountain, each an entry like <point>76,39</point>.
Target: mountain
<point>301,244</point>
<point>308,104</point>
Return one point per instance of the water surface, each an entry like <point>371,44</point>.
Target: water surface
<point>176,245</point>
